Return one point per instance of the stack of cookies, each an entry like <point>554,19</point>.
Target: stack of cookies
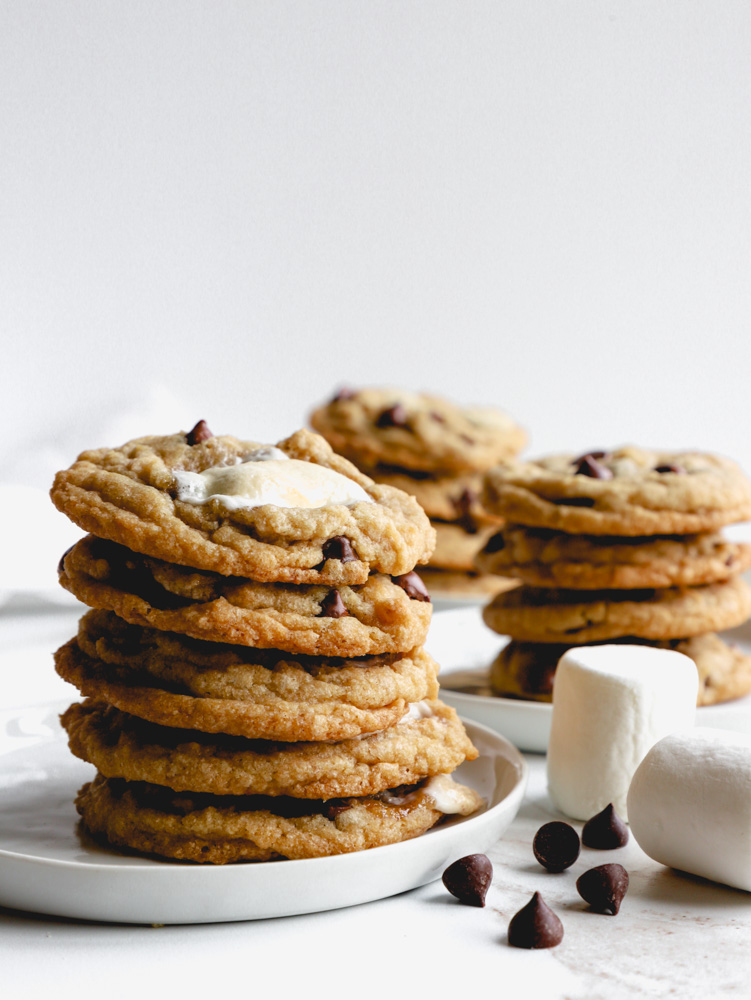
<point>255,682</point>
<point>437,452</point>
<point>619,546</point>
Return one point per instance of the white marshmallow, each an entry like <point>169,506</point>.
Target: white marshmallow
<point>610,705</point>
<point>690,804</point>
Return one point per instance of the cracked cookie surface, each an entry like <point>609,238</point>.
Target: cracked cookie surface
<point>130,495</point>
<point>223,829</point>
<point>543,558</point>
<point>431,742</point>
<point>577,616</point>
<point>627,491</point>
<point>377,617</point>
<point>417,431</point>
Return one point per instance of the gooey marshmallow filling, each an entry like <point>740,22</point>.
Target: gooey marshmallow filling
<point>269,476</point>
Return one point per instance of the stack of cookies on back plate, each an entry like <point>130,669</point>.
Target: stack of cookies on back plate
<point>255,682</point>
<point>619,546</point>
<point>437,452</point>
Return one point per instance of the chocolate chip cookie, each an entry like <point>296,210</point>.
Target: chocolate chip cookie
<point>417,431</point>
<point>626,491</point>
<point>295,513</point>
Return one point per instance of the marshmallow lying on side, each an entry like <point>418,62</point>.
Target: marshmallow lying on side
<point>610,705</point>
<point>690,804</point>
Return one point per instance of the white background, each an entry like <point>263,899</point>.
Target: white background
<point>225,210</point>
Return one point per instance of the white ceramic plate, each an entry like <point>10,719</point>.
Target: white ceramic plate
<point>45,867</point>
<point>464,646</point>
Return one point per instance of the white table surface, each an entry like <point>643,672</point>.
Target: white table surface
<point>676,936</point>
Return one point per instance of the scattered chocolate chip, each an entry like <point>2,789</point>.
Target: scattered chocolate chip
<point>394,416</point>
<point>677,469</point>
<point>199,433</point>
<point>556,846</point>
<point>603,887</point>
<point>535,926</point>
<point>333,809</point>
<point>588,465</point>
<point>605,831</point>
<point>496,543</point>
<point>339,548</point>
<point>412,586</point>
<point>469,879</point>
<point>438,417</point>
<point>344,393</point>
<point>332,606</point>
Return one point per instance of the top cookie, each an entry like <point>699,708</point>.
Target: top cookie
<point>627,491</point>
<point>297,513</point>
<point>416,431</point>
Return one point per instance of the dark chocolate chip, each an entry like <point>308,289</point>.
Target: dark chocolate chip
<point>603,887</point>
<point>556,846</point>
<point>469,879</point>
<point>344,393</point>
<point>339,548</point>
<point>438,417</point>
<point>535,926</point>
<point>605,831</point>
<point>394,416</point>
<point>61,564</point>
<point>412,586</point>
<point>332,606</point>
<point>199,433</point>
<point>588,465</point>
<point>333,809</point>
<point>463,506</point>
<point>496,543</point>
<point>678,470</point>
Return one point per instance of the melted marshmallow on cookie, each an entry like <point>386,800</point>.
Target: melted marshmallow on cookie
<point>269,476</point>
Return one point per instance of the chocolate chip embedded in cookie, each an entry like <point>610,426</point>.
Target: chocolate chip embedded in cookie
<point>577,617</point>
<point>220,688</point>
<point>428,741</point>
<point>544,558</point>
<point>220,829</point>
<point>628,491</point>
<point>527,669</point>
<point>416,431</point>
<point>380,616</point>
<point>296,513</point>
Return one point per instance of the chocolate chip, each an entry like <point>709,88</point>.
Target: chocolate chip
<point>605,831</point>
<point>678,470</point>
<point>496,543</point>
<point>438,417</point>
<point>61,564</point>
<point>556,846</point>
<point>467,439</point>
<point>535,926</point>
<point>199,433</point>
<point>412,586</point>
<point>339,548</point>
<point>588,465</point>
<point>332,606</point>
<point>603,887</point>
<point>344,393</point>
<point>463,506</point>
<point>333,809</point>
<point>469,879</point>
<point>394,416</point>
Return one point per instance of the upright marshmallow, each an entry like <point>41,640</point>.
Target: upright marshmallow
<point>610,705</point>
<point>690,804</point>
